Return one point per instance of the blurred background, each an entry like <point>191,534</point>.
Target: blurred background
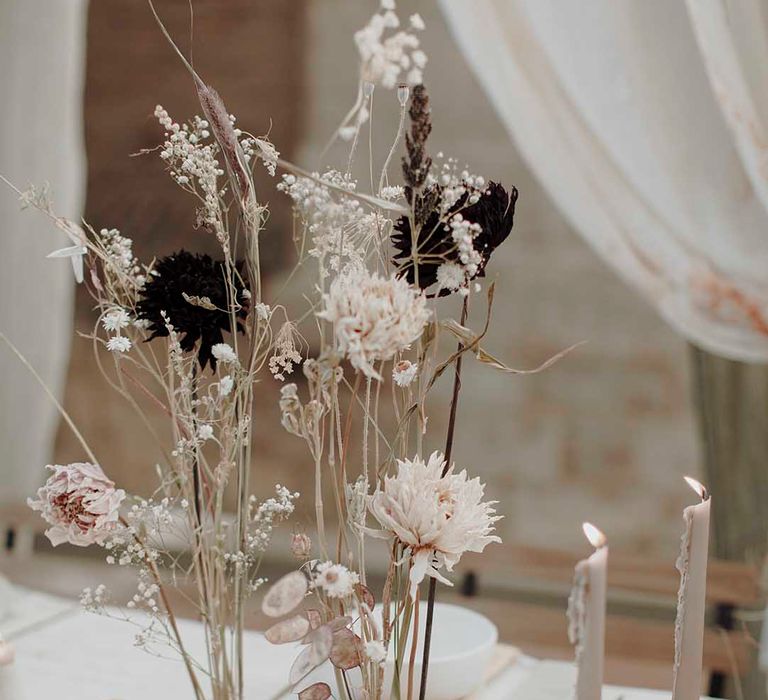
<point>606,434</point>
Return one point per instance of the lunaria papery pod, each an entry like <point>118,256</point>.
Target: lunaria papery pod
<point>285,595</point>
<point>290,630</point>
<point>316,691</point>
<point>317,652</point>
<point>347,649</point>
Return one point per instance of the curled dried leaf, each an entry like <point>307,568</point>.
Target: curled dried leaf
<point>316,691</point>
<point>285,595</point>
<point>347,650</point>
<point>291,630</point>
<point>365,595</point>
<point>488,359</point>
<point>202,302</point>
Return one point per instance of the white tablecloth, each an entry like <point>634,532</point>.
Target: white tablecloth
<point>66,654</point>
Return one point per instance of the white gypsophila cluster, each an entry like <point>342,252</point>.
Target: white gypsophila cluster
<point>335,580</point>
<point>262,311</point>
<point>204,432</point>
<point>285,354</point>
<point>373,317</point>
<point>224,353</point>
<point>388,54</point>
<point>437,518</point>
<point>455,182</point>
<point>451,276</point>
<point>261,148</point>
<point>455,276</point>
<point>342,230</point>
<point>119,252</point>
<point>192,162</point>
<point>392,192</point>
<point>150,516</point>
<point>226,385</point>
<point>375,651</point>
<point>94,599</point>
<point>404,372</point>
<point>264,516</point>
<point>146,596</point>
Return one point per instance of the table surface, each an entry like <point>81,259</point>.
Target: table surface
<point>65,653</point>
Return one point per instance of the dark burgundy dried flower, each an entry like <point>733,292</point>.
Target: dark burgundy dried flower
<point>494,212</point>
<point>200,318</point>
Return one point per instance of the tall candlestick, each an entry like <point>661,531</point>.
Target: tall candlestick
<point>586,615</point>
<point>691,598</point>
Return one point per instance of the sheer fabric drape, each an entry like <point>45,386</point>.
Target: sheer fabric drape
<point>646,121</point>
<point>42,54</point>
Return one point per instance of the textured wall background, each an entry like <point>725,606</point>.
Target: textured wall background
<point>605,435</point>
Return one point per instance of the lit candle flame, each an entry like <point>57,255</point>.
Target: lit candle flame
<point>596,538</point>
<point>698,487</point>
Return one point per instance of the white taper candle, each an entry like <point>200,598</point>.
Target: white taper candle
<point>586,614</point>
<point>691,599</point>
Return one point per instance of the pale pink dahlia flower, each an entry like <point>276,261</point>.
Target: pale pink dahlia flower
<point>437,518</point>
<point>80,503</point>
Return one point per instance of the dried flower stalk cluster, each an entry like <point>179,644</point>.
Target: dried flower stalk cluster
<point>194,335</point>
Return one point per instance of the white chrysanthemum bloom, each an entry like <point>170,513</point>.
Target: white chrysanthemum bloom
<point>374,318</point>
<point>404,372</point>
<point>436,517</point>
<point>115,320</point>
<point>223,352</point>
<point>375,651</point>
<point>118,343</point>
<point>335,580</point>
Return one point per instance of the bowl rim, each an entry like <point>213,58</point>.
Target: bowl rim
<point>490,643</point>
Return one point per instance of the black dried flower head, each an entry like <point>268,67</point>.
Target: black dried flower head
<point>494,212</point>
<point>191,289</point>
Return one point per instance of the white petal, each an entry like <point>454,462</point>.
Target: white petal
<point>67,252</point>
<point>75,253</point>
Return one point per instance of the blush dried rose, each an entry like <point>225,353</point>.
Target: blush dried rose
<point>80,503</point>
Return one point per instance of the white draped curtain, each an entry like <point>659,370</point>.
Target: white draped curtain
<point>42,54</point>
<point>647,123</point>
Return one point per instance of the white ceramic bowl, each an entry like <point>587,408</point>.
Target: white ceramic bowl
<point>462,647</point>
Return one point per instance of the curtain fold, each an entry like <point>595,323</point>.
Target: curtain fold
<point>643,120</point>
<point>42,52</point>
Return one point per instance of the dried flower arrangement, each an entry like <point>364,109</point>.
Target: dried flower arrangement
<point>195,334</point>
